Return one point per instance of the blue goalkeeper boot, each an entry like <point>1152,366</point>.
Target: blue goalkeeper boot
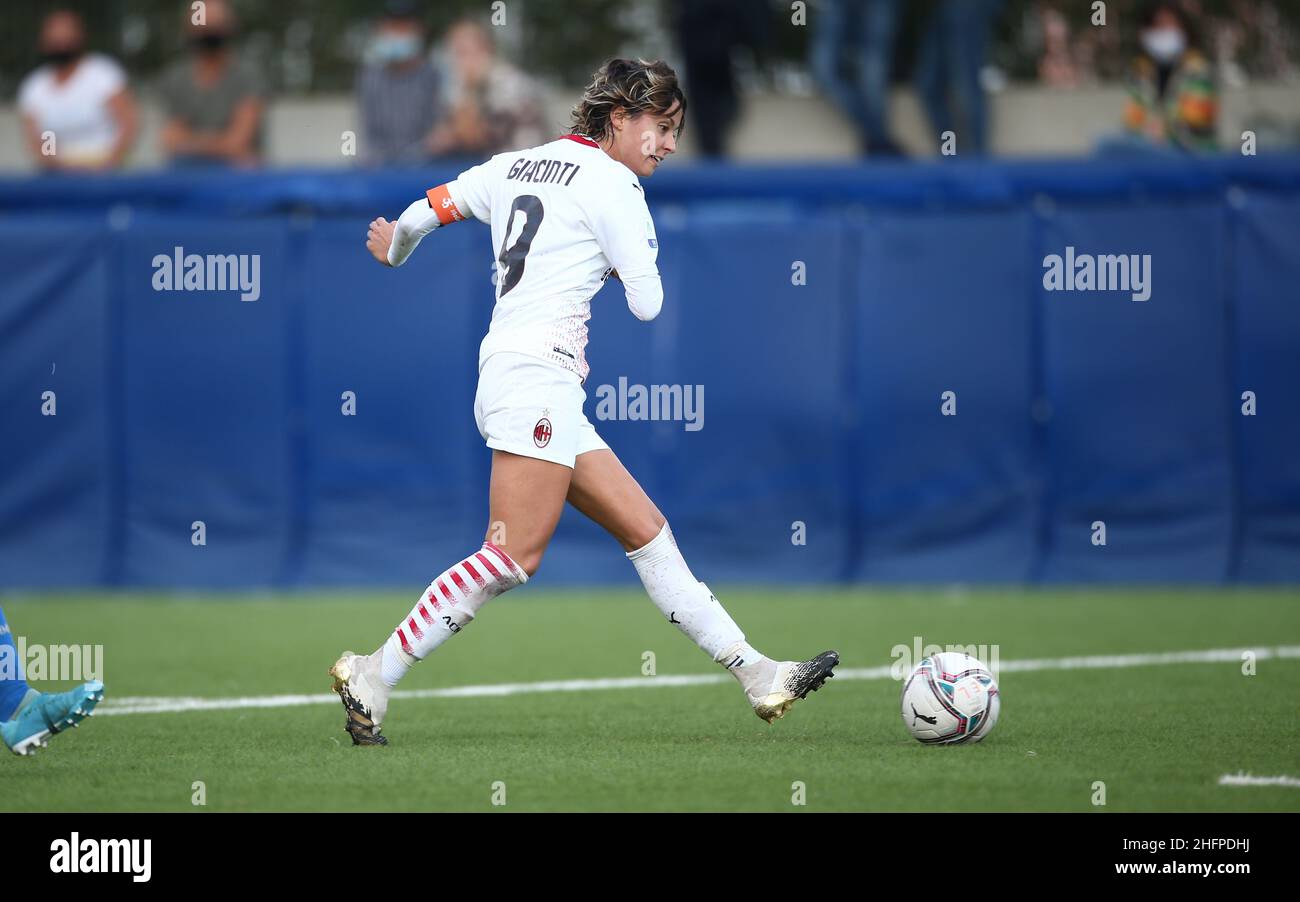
<point>50,713</point>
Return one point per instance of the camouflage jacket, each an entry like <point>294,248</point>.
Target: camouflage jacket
<point>1185,117</point>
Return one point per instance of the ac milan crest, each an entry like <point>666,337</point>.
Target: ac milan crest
<point>542,433</point>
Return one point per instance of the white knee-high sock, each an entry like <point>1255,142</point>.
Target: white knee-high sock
<point>688,604</point>
<point>449,603</point>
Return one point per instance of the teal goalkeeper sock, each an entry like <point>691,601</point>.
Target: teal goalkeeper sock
<point>13,688</point>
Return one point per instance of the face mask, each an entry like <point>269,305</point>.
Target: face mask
<point>394,48</point>
<point>62,56</point>
<point>210,42</point>
<point>1164,45</point>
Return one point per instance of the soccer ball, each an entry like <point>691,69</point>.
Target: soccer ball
<point>950,698</point>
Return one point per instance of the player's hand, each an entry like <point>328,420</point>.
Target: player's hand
<point>379,238</point>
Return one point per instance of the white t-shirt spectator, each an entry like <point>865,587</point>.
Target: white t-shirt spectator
<point>76,111</point>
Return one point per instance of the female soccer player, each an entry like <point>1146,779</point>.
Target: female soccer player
<point>564,216</point>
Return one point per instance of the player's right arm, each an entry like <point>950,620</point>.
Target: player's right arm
<point>625,233</point>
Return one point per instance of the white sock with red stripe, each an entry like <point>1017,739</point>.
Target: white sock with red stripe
<point>449,603</point>
<point>689,605</point>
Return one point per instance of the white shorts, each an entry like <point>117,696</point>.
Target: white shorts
<point>527,406</point>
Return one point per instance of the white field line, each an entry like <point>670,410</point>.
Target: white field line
<point>1240,779</point>
<point>170,704</point>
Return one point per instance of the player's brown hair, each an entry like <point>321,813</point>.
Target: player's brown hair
<point>636,85</point>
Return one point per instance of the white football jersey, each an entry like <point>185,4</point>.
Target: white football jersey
<point>563,215</point>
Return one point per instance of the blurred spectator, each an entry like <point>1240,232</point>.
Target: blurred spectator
<point>491,106</point>
<point>213,101</point>
<point>708,31</point>
<point>397,91</point>
<point>866,31</point>
<point>81,99</point>
<point>953,50</point>
<point>1172,100</point>
<point>1057,66</point>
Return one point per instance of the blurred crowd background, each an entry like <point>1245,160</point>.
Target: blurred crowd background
<point>125,83</point>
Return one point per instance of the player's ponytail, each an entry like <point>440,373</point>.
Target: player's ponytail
<point>636,85</point>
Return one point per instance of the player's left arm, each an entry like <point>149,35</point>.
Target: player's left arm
<point>392,242</point>
<point>468,195</point>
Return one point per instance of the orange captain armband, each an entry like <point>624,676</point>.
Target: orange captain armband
<point>442,204</point>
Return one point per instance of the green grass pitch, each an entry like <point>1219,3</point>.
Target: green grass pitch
<point>1159,737</point>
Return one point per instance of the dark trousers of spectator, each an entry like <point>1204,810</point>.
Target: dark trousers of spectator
<point>714,100</point>
<point>865,33</point>
<point>953,50</point>
<point>707,32</point>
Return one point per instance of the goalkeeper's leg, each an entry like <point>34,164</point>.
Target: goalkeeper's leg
<point>29,718</point>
